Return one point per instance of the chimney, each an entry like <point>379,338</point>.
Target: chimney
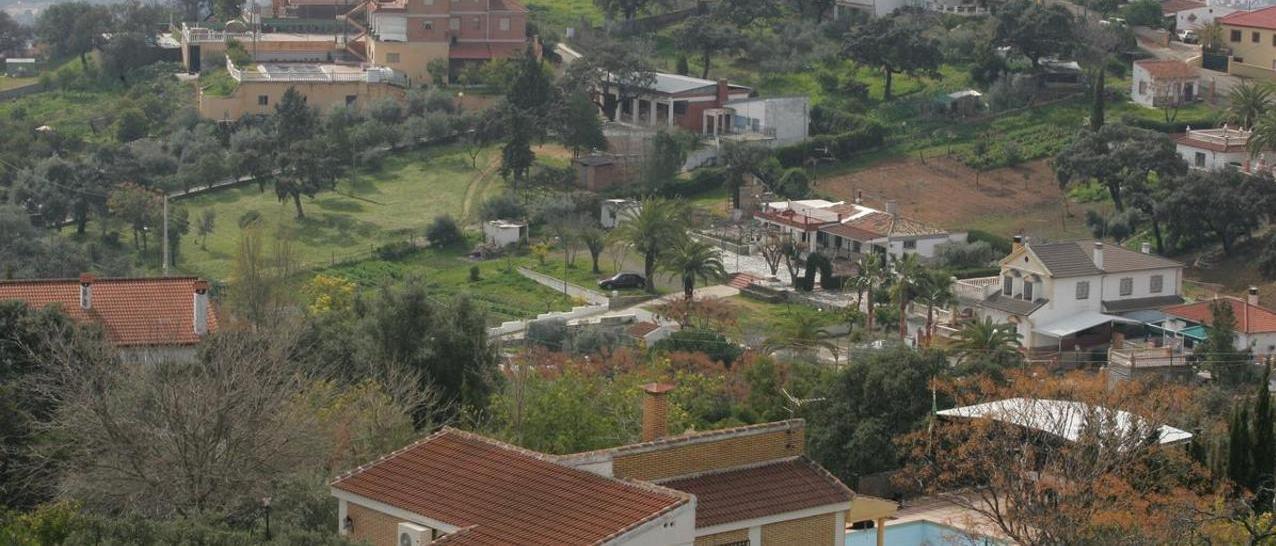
<point>655,411</point>
<point>891,207</point>
<point>723,92</point>
<point>1253,296</point>
<point>1098,255</point>
<point>201,308</point>
<point>1146,248</point>
<point>859,197</point>
<point>86,290</point>
<point>1016,244</point>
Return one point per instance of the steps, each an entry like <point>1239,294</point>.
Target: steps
<point>740,281</point>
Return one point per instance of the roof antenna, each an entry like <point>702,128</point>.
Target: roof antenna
<point>795,403</point>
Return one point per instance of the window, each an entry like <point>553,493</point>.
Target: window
<point>680,107</point>
<point>855,247</point>
<point>1236,35</point>
<point>392,58</point>
<point>910,245</point>
<point>505,25</point>
<point>1253,37</point>
<point>1127,286</point>
<point>1083,290</point>
<point>1157,284</point>
<point>478,24</point>
<point>1027,290</point>
<point>350,99</point>
<point>263,100</point>
<point>429,25</point>
<point>1007,285</point>
<point>1199,160</point>
<point>454,23</point>
<point>428,2</point>
<point>1143,87</point>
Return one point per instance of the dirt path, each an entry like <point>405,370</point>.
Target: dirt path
<point>477,186</point>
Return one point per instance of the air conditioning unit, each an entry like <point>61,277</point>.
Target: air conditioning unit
<point>411,534</point>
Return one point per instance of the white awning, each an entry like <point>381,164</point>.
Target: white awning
<point>1077,322</point>
<point>1065,419</point>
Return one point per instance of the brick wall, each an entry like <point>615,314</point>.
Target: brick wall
<point>710,455</point>
<point>376,528</point>
<point>812,531</point>
<point>723,538</point>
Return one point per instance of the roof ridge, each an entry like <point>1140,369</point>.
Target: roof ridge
<point>724,470</point>
<point>98,280</point>
<point>366,466</point>
<point>687,437</point>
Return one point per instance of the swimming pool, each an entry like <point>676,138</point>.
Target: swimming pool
<point>920,533</point>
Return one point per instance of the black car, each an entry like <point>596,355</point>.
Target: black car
<point>623,280</point>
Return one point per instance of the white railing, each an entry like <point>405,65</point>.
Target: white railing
<point>373,74</point>
<point>959,9</point>
<point>1147,357</point>
<point>976,289</point>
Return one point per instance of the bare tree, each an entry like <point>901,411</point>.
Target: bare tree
<point>1063,461</point>
<point>772,249</point>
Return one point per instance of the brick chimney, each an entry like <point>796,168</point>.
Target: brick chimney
<point>1253,296</point>
<point>892,208</point>
<point>723,92</point>
<point>1016,244</point>
<point>86,290</point>
<point>201,307</point>
<point>1098,255</point>
<point>655,411</point>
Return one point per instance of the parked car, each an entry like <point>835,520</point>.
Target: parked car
<point>1188,36</point>
<point>623,280</point>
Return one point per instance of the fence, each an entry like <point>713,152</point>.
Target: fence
<point>17,92</point>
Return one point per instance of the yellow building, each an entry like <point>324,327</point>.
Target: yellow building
<point>1251,36</point>
<point>260,87</point>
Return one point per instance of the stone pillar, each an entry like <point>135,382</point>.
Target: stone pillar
<point>633,117</point>
<point>670,113</point>
<point>880,525</point>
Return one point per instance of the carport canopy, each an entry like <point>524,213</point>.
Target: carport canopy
<point>1079,321</point>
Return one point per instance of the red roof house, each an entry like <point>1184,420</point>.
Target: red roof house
<point>1255,325</point>
<point>132,312</point>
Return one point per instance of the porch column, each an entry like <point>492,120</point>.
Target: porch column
<point>880,525</point>
<point>633,116</point>
<point>814,235</point>
<point>670,113</point>
<point>651,112</point>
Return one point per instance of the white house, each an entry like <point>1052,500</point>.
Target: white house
<point>1255,325</point>
<point>850,230</point>
<point>776,121</point>
<point>1195,17</point>
<point>1214,149</point>
<point>1162,82</point>
<point>504,232</point>
<point>1066,295</point>
<point>874,8</point>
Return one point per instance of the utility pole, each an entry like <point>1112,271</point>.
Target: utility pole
<point>165,250</point>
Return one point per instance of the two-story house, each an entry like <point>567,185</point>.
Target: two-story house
<point>1251,38</point>
<point>1064,296</point>
<point>743,486</point>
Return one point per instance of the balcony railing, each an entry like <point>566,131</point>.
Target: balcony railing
<point>371,74</point>
<point>959,9</point>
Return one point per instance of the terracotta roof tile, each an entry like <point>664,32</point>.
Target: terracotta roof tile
<point>1170,7</point>
<point>131,312</point>
<point>1186,139</point>
<point>1250,319</point>
<point>773,488</point>
<point>1259,18</point>
<point>1163,69</point>
<point>509,495</point>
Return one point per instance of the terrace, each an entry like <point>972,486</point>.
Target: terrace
<point>325,73</point>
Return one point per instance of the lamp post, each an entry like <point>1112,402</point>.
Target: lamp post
<point>460,98</point>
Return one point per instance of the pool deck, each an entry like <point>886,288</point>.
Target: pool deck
<point>940,510</point>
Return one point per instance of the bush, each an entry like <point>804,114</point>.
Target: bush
<point>502,207</point>
<point>1267,260</point>
<point>550,333</point>
<point>999,244</point>
<point>474,274</point>
<point>443,232</point>
<point>130,126</point>
<point>695,340</point>
<point>977,254</point>
<point>594,340</point>
<point>396,250</point>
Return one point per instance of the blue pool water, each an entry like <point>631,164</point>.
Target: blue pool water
<point>920,533</point>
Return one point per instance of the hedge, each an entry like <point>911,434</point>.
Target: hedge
<point>868,135</point>
<point>998,243</point>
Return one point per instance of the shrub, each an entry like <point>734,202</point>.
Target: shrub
<point>695,340</point>
<point>443,232</point>
<point>504,206</point>
<point>966,255</point>
<point>130,126</point>
<point>396,250</point>
<point>999,244</point>
<point>550,333</point>
<point>1267,260</point>
<point>249,219</point>
<point>474,274</point>
<point>594,340</point>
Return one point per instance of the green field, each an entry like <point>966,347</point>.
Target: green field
<point>557,15</point>
<point>10,83</point>
<point>394,204</point>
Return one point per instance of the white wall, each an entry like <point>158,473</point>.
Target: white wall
<point>677,528</point>
<point>1195,18</point>
<point>1140,75</point>
<point>788,116</point>
<point>1213,160</point>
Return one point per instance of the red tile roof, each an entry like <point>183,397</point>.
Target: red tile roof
<point>1259,18</point>
<point>1211,145</point>
<point>132,312</point>
<point>1168,69</point>
<point>1250,319</point>
<point>774,488</point>
<point>508,495</point>
<point>506,5</point>
<point>1170,7</point>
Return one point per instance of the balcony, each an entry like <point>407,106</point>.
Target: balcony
<point>327,73</point>
<point>958,9</point>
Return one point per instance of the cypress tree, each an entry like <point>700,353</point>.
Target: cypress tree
<point>1096,106</point>
<point>1264,443</point>
<point>1239,449</point>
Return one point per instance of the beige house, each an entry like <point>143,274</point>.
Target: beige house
<point>1251,36</point>
<point>742,486</point>
<point>260,87</point>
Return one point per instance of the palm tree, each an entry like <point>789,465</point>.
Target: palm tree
<point>870,272</point>
<point>659,224</point>
<point>693,260</point>
<point>1247,102</point>
<point>908,273</point>
<point>1264,135</point>
<point>798,330</point>
<point>986,338</point>
<point>935,290</point>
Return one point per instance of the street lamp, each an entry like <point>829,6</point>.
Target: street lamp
<point>265,504</point>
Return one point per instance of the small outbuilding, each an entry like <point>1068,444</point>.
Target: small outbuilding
<point>21,68</point>
<point>961,103</point>
<point>615,211</point>
<point>504,232</point>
